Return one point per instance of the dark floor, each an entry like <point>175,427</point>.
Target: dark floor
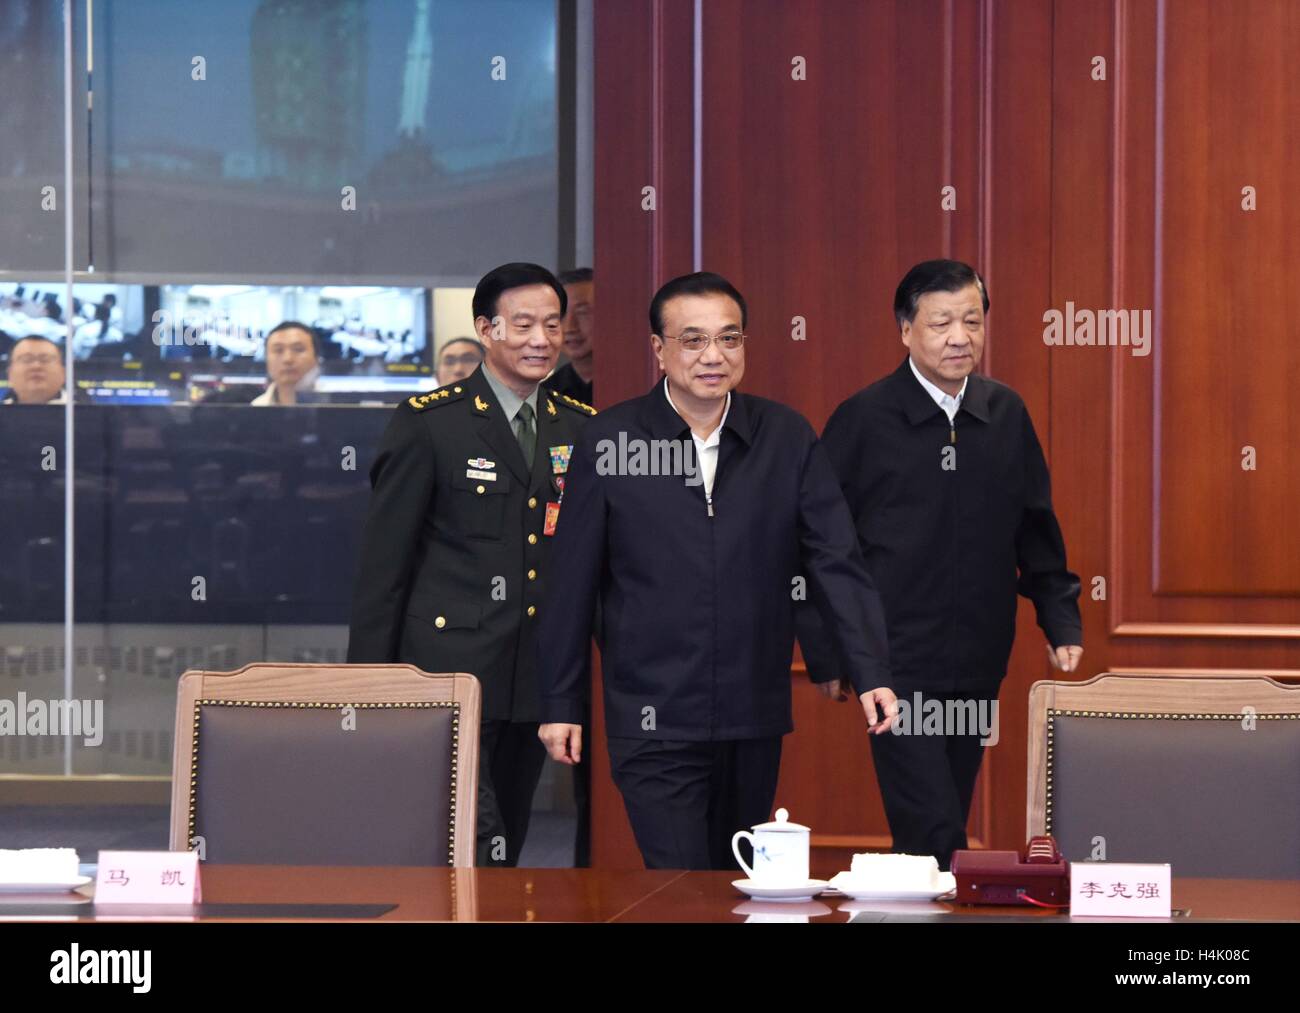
<point>91,828</point>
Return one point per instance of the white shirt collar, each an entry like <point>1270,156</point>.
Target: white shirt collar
<point>942,398</point>
<point>715,437</point>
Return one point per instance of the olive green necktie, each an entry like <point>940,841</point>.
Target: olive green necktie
<point>524,431</point>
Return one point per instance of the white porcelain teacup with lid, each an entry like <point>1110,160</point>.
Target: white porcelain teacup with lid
<point>780,851</point>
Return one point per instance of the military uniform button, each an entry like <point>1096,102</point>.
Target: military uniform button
<point>532,502</point>
<point>532,539</point>
<point>532,610</point>
<point>456,389</point>
<point>440,622</point>
<point>532,574</point>
<point>480,490</point>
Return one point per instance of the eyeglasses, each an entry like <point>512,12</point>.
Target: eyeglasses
<point>692,342</point>
<point>32,359</point>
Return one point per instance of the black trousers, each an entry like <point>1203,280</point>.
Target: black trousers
<point>685,800</point>
<point>927,780</point>
<point>510,759</point>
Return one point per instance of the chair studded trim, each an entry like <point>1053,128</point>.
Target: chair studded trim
<point>1053,713</point>
<point>320,705</point>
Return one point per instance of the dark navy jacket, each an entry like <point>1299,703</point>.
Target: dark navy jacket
<point>698,610</point>
<point>949,548</point>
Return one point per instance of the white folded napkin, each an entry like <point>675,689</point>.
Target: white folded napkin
<point>38,865</point>
<point>894,872</point>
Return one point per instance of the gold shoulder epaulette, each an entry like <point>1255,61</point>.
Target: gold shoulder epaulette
<point>443,395</point>
<point>576,405</point>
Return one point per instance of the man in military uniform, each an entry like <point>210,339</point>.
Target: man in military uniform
<point>466,492</point>
<point>576,376</point>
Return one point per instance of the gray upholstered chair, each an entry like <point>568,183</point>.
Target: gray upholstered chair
<point>1201,771</point>
<point>326,765</point>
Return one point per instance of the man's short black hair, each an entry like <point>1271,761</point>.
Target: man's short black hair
<point>577,275</point>
<point>934,276</point>
<point>294,325</point>
<point>35,337</point>
<point>501,279</point>
<point>699,283</point>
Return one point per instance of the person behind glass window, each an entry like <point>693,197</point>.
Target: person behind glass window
<point>575,377</point>
<point>292,365</point>
<point>36,373</point>
<point>459,357</point>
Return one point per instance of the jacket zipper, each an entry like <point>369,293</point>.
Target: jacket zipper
<point>956,537</point>
<point>713,603</point>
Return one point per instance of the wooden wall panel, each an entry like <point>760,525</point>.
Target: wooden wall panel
<point>817,193</point>
<point>1201,547</point>
<point>643,130</point>
<point>1225,119</point>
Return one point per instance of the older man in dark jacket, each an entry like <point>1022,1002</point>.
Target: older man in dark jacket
<point>951,497</point>
<point>697,516</point>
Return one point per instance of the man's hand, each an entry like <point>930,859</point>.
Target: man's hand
<point>563,742</point>
<point>1065,658</point>
<point>833,690</point>
<point>887,714</point>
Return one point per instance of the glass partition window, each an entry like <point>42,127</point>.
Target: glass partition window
<point>349,167</point>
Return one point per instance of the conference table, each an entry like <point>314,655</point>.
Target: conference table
<point>293,893</point>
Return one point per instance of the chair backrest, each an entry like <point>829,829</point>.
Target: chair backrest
<point>326,765</point>
<point>1201,771</point>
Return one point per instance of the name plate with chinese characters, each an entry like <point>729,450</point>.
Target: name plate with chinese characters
<point>1119,890</point>
<point>148,877</point>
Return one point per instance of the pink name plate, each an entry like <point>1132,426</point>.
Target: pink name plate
<point>148,877</point>
<point>1119,890</point>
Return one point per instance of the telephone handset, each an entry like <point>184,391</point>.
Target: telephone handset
<point>1041,850</point>
<point>1036,875</point>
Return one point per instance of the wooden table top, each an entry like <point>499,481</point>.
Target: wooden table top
<point>603,895</point>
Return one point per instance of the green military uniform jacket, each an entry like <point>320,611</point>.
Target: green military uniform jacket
<point>453,566</point>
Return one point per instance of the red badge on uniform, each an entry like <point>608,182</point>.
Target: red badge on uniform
<point>552,515</point>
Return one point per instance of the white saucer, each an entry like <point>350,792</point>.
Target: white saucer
<point>62,886</point>
<point>858,890</point>
<point>805,890</point>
